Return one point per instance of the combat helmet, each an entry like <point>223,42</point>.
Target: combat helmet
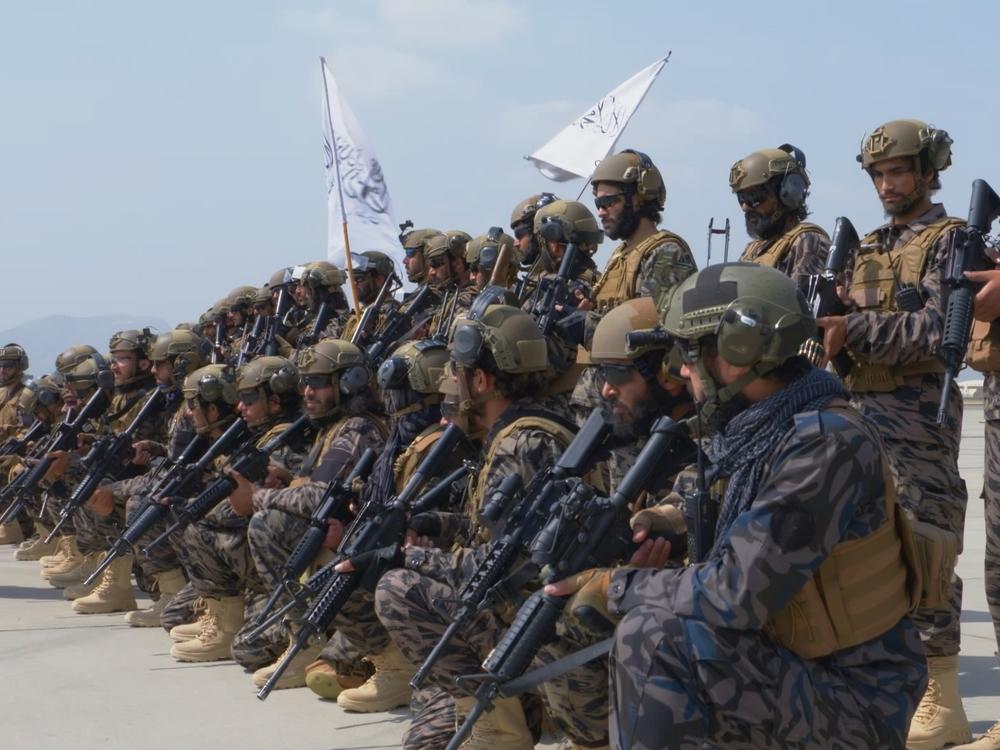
<point>524,211</point>
<point>14,354</point>
<point>419,365</point>
<point>321,274</point>
<point>483,251</point>
<point>451,242</point>
<point>373,261</point>
<point>188,349</point>
<point>241,298</point>
<point>278,374</point>
<point>132,340</point>
<point>757,315</point>
<point>785,165</point>
<point>912,138</point>
<point>212,384</point>
<point>67,360</point>
<point>415,240</point>
<point>569,222</point>
<point>510,335</point>
<point>337,357</point>
<point>45,390</point>
<point>636,173</point>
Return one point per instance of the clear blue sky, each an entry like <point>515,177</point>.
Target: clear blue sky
<point>154,157</point>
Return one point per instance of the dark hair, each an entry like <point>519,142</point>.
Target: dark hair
<point>522,385</point>
<point>791,369</point>
<point>650,211</point>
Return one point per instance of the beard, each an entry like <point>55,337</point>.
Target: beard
<point>631,424</point>
<point>904,204</point>
<point>622,227</point>
<point>762,227</point>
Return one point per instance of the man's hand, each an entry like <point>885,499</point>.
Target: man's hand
<point>241,498</point>
<point>334,534</point>
<point>60,462</point>
<point>102,502</point>
<point>277,477</point>
<point>145,450</point>
<point>834,333</point>
<point>595,581</point>
<point>988,298</point>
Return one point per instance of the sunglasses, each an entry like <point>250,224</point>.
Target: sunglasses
<point>690,350</point>
<point>753,197</point>
<point>438,262</point>
<point>607,201</point>
<point>409,252</point>
<point>616,375</point>
<point>521,231</point>
<point>249,396</point>
<point>315,382</point>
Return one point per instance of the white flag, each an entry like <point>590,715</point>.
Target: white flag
<point>356,192</point>
<point>577,148</point>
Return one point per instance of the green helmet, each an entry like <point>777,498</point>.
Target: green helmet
<point>757,314</point>
<point>906,138</point>
<point>320,273</point>
<point>635,172</point>
<point>569,222</point>
<point>15,354</point>
<point>373,261</point>
<point>132,340</point>
<point>277,373</point>
<point>417,364</point>
<point>73,356</point>
<point>611,336</point>
<point>511,335</point>
<point>451,242</point>
<point>524,211</point>
<point>211,383</point>
<point>179,343</point>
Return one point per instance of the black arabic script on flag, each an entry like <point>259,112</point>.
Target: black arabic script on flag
<point>361,179</point>
<point>607,117</point>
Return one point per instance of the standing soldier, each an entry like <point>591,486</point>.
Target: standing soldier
<point>414,261</point>
<point>370,270</point>
<point>771,187</point>
<point>891,331</point>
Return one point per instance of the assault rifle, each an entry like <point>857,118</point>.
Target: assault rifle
<point>108,458</point>
<point>251,344</point>
<point>396,324</point>
<point>218,357</point>
<point>585,531</point>
<point>35,453</point>
<point>822,290</point>
<point>64,439</point>
<point>378,530</point>
<point>250,462</point>
<point>482,589</point>
<point>334,505</point>
<point>180,480</point>
<point>556,292</point>
<point>15,445</point>
<point>366,323</point>
<point>967,253</point>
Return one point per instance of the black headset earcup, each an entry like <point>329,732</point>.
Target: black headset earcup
<point>353,380</point>
<point>793,191</point>
<point>285,380</point>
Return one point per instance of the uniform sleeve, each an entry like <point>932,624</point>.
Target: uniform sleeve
<point>358,434</point>
<point>802,510</point>
<point>807,256</point>
<point>663,269</point>
<point>900,338</point>
<point>300,501</point>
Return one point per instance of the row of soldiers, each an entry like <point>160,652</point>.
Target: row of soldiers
<point>526,460</point>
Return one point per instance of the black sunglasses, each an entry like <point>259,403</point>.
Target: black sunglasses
<point>438,262</point>
<point>753,197</point>
<point>521,231</point>
<point>249,396</point>
<point>616,375</point>
<point>607,201</point>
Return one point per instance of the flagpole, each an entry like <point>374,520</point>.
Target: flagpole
<point>340,192</point>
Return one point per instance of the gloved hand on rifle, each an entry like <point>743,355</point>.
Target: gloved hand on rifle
<point>987,307</point>
<point>386,558</point>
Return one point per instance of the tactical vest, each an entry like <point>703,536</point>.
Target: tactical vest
<point>325,439</point>
<point>775,253</point>
<point>10,420</point>
<point>873,289</point>
<point>865,586</point>
<point>408,461</point>
<point>619,281</point>
<point>983,354</point>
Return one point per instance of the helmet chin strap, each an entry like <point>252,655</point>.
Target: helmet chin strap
<point>716,396</point>
<point>469,405</point>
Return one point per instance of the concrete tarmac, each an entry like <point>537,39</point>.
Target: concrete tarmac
<point>90,681</point>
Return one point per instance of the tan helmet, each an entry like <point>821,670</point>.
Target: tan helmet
<point>485,249</point>
<point>241,296</point>
<point>373,261</point>
<point>762,166</point>
<point>418,364</point>
<point>906,138</point>
<point>416,239</point>
<point>524,211</point>
<point>569,222</point>
<point>277,373</point>
<point>280,278</point>
<point>633,168</point>
<point>193,347</point>
<point>451,242</point>
<point>211,383</point>
<point>45,390</point>
<point>320,273</point>
<point>73,356</point>
<point>14,353</point>
<point>328,356</point>
<point>610,340</point>
<point>263,295</point>
<point>84,375</point>
<point>132,340</point>
<point>511,335</point>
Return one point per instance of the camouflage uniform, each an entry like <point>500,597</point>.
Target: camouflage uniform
<point>692,668</point>
<point>281,518</point>
<point>665,262</point>
<point>991,496</point>
<point>923,455</point>
<point>805,255</point>
<point>416,603</point>
<point>10,416</point>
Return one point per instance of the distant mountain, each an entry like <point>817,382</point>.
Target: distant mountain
<point>44,338</point>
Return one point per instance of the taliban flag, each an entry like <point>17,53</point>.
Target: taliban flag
<point>577,148</point>
<point>359,207</point>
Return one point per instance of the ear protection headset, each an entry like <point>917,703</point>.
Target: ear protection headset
<point>794,187</point>
<point>15,351</point>
<point>213,388</point>
<point>647,186</point>
<point>284,380</point>
<point>744,340</point>
<point>353,380</point>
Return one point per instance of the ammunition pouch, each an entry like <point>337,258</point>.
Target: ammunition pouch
<point>983,354</point>
<point>774,253</point>
<point>934,554</point>
<point>619,281</point>
<point>868,377</point>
